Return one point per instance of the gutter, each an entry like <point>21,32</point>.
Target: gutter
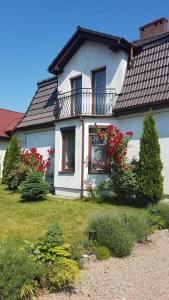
<point>82,160</point>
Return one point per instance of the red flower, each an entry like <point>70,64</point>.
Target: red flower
<point>109,151</point>
<point>129,133</point>
<point>119,156</point>
<point>110,141</point>
<point>110,128</point>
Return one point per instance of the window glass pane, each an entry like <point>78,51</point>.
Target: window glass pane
<point>77,95</point>
<point>69,150</point>
<point>98,154</point>
<point>99,88</point>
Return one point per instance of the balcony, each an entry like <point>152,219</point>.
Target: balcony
<point>85,102</point>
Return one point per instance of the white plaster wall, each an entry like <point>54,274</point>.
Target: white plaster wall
<point>43,140</point>
<point>68,184</point>
<point>89,57</point>
<point>135,123</point>
<point>3,147</point>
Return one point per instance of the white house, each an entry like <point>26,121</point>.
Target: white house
<point>8,121</point>
<point>99,79</point>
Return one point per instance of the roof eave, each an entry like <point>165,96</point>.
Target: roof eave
<point>79,37</point>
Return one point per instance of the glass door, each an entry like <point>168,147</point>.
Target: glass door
<point>76,86</point>
<point>99,89</point>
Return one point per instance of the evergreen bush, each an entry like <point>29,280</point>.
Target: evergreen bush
<point>150,179</point>
<point>34,187</point>
<point>12,158</point>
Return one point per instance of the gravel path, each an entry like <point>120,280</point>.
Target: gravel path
<point>142,276</point>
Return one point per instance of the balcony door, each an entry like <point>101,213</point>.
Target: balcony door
<point>76,87</point>
<point>99,89</point>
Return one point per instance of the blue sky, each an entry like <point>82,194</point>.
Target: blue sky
<point>33,31</point>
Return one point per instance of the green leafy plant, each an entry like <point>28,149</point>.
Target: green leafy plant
<point>123,182</point>
<point>111,233</point>
<point>101,252</point>
<point>62,273</point>
<point>51,245</point>
<point>12,158</point>
<point>34,187</point>
<point>19,274</point>
<point>150,179</point>
<point>138,224</point>
<point>163,211</point>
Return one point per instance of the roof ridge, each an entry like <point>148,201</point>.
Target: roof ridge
<point>9,110</point>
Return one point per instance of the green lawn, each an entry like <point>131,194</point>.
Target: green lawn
<point>30,220</point>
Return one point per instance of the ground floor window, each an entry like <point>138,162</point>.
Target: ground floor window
<point>98,160</point>
<point>68,150</point>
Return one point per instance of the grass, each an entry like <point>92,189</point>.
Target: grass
<point>30,220</point>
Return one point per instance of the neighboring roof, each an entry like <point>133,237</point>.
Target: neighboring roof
<point>40,110</point>
<point>8,121</point>
<point>78,38</point>
<point>146,82</point>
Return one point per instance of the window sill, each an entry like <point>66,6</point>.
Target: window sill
<point>97,173</point>
<point>66,172</point>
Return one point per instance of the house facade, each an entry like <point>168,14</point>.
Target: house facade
<point>8,121</point>
<point>99,79</point>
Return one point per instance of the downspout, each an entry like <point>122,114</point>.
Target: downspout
<point>82,160</point>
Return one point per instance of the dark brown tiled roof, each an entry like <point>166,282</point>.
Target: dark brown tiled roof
<point>147,80</point>
<point>40,110</point>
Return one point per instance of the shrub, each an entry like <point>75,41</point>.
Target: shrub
<point>62,273</point>
<point>150,179</point>
<point>123,182</point>
<point>34,187</point>
<point>12,158</point>
<point>163,210</point>
<point>101,252</point>
<point>54,236</point>
<point>138,224</point>
<point>19,274</point>
<point>111,233</point>
<point>156,221</point>
<point>16,176</point>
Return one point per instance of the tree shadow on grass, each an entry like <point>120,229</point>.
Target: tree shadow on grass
<point>32,200</point>
<point>114,200</point>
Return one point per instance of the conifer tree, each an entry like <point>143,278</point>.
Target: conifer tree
<point>12,157</point>
<point>150,179</point>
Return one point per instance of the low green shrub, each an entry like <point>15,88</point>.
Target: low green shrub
<point>123,182</point>
<point>138,225</point>
<point>19,274</point>
<point>54,235</point>
<point>101,252</point>
<point>163,210</point>
<point>42,251</point>
<point>51,245</point>
<point>62,273</point>
<point>111,233</point>
<point>156,221</point>
<point>34,187</point>
<point>16,176</point>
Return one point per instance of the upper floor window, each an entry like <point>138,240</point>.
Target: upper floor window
<point>99,88</point>
<point>76,88</point>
